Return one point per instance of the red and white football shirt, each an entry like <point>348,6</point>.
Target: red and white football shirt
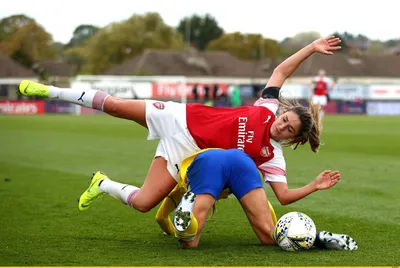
<point>322,85</point>
<point>246,128</point>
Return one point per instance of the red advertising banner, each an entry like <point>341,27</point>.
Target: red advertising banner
<point>330,108</point>
<point>174,90</point>
<point>22,107</point>
<point>385,92</point>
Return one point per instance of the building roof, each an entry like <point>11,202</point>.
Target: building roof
<point>57,68</point>
<point>222,64</point>
<point>11,68</point>
<point>172,62</point>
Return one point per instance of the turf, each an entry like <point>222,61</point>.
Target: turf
<point>46,163</point>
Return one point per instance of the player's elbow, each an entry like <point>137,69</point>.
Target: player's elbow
<point>143,208</point>
<point>280,73</point>
<point>284,200</point>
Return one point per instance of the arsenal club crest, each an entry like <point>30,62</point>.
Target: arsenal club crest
<point>265,151</point>
<point>159,105</point>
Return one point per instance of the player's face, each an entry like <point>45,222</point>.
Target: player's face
<point>287,126</point>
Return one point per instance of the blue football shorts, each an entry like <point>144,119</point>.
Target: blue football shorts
<point>214,170</point>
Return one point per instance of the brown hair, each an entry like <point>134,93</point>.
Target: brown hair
<point>311,123</point>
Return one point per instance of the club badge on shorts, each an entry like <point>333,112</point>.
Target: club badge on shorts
<point>159,105</point>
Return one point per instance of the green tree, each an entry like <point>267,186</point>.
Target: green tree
<point>344,37</point>
<point>246,46</point>
<point>292,44</point>
<point>376,48</point>
<point>304,38</point>
<point>10,25</point>
<point>392,42</point>
<point>58,49</point>
<point>120,41</point>
<point>76,56</point>
<point>29,44</point>
<point>81,34</point>
<point>200,31</point>
<point>348,36</point>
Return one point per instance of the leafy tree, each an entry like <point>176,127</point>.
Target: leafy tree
<point>344,37</point>
<point>376,48</point>
<point>10,25</point>
<point>348,36</point>
<point>362,37</point>
<point>120,41</point>
<point>293,44</point>
<point>246,46</point>
<point>392,42</point>
<point>200,30</point>
<point>76,56</point>
<point>304,38</point>
<point>29,43</point>
<point>81,34</point>
<point>58,49</point>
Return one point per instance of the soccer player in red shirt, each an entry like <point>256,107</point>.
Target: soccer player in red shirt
<point>321,86</point>
<point>184,129</point>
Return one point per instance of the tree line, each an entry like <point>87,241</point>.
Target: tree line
<point>93,50</point>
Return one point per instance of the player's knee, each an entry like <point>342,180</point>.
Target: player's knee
<point>111,105</point>
<point>140,205</point>
<point>143,207</point>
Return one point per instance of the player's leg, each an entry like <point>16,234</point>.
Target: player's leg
<point>127,109</point>
<point>168,205</point>
<point>123,108</point>
<point>206,181</point>
<point>162,217</point>
<point>328,240</point>
<point>256,207</point>
<point>323,101</point>
<point>200,210</point>
<point>168,122</point>
<point>245,183</point>
<point>158,183</point>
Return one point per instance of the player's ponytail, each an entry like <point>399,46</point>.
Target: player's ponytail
<point>316,130</point>
<point>311,125</point>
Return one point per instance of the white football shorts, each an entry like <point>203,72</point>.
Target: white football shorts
<point>319,99</point>
<point>167,121</point>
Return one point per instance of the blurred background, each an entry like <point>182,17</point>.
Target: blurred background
<point>221,54</point>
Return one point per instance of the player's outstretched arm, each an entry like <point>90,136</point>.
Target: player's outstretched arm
<point>286,68</point>
<point>324,180</point>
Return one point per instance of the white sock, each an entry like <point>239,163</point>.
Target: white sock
<point>88,98</point>
<point>118,190</point>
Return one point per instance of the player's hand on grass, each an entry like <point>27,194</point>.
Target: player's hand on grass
<point>326,45</point>
<point>327,179</point>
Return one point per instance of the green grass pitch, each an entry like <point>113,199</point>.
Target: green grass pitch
<point>46,163</point>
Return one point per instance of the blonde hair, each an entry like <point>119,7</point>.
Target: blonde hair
<point>311,123</point>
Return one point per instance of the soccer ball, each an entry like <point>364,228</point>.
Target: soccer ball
<point>294,231</point>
